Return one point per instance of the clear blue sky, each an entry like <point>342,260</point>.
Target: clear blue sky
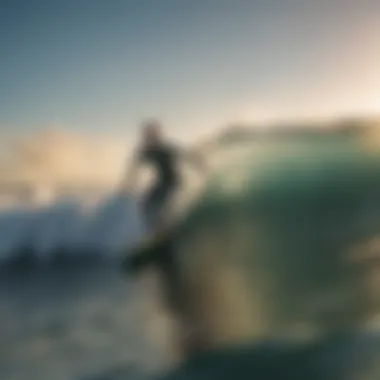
<point>102,65</point>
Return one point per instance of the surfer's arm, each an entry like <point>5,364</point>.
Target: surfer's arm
<point>196,160</point>
<point>130,177</point>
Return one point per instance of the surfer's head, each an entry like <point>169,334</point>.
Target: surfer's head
<point>151,132</point>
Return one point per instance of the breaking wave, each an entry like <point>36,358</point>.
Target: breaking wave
<point>69,232</point>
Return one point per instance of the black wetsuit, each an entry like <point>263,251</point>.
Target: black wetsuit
<point>163,158</point>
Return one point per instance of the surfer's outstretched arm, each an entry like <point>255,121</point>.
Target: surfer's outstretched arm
<point>130,177</point>
<point>197,160</point>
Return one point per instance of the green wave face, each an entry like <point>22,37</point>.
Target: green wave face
<point>267,245</point>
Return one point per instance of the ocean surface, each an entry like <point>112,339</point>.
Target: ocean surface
<point>75,318</point>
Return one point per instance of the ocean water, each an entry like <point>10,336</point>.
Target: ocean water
<point>69,319</point>
<point>70,325</point>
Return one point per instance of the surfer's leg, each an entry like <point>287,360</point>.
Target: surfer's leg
<point>150,205</point>
<point>166,203</point>
<point>157,201</point>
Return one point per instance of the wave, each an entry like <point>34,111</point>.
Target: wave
<point>69,233</point>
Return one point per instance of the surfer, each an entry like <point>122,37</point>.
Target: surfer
<point>164,158</point>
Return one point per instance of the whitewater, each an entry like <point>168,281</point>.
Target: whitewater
<point>72,229</point>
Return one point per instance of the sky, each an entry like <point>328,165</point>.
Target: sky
<point>102,66</point>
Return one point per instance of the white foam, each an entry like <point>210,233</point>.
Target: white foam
<point>105,227</point>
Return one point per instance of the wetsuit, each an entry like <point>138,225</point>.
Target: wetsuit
<point>163,158</point>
